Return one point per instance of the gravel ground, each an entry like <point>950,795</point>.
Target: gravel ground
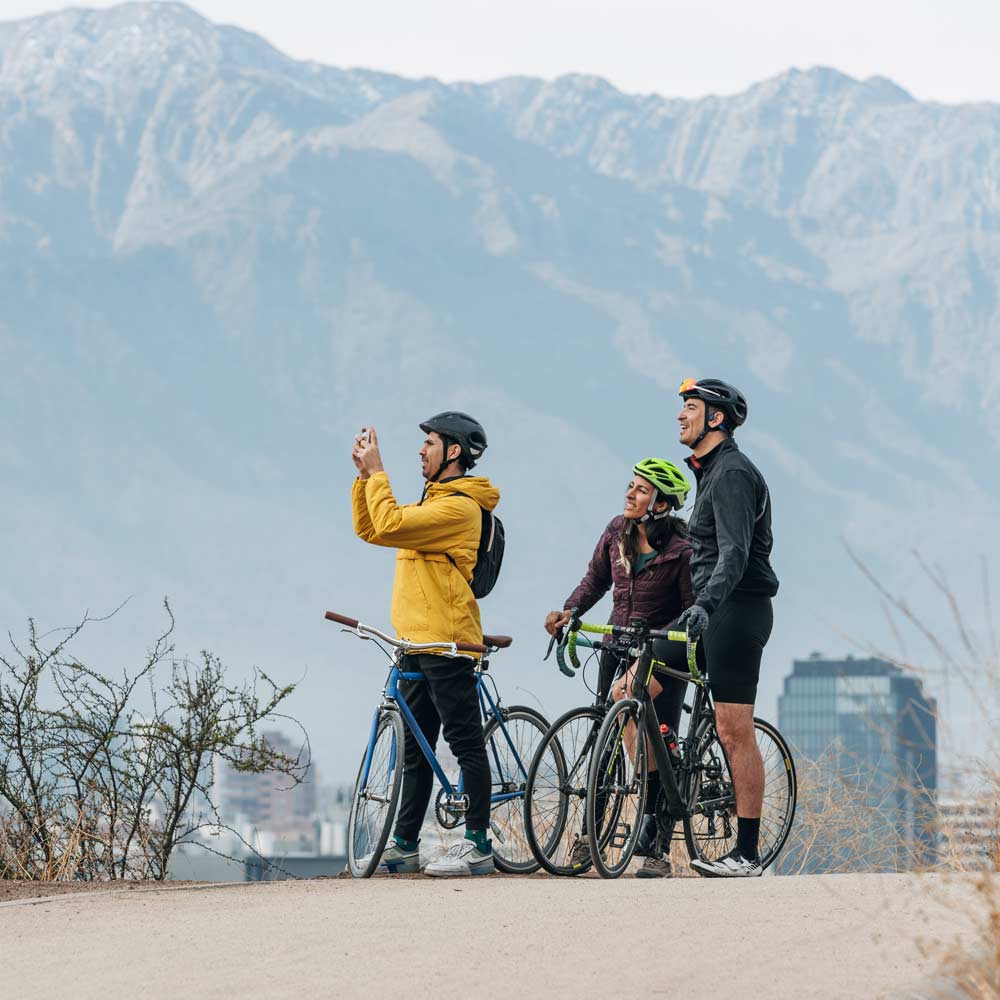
<point>821,936</point>
<point>12,890</point>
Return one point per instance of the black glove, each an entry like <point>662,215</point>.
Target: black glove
<point>695,620</point>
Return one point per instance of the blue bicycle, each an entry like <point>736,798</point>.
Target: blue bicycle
<point>512,735</point>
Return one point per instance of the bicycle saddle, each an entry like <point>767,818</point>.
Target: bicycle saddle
<point>500,641</point>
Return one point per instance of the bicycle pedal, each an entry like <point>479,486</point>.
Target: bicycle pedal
<point>621,839</point>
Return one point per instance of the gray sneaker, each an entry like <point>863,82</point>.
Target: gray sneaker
<point>396,861</point>
<point>655,868</point>
<point>579,853</point>
<point>461,860</point>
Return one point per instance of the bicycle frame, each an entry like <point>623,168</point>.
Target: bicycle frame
<point>488,707</point>
<point>650,730</point>
<point>700,709</point>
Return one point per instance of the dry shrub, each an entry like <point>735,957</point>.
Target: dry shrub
<point>94,787</point>
<point>847,819</point>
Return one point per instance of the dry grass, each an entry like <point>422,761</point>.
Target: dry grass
<point>962,662</point>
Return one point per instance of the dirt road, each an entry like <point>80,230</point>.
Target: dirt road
<point>853,936</point>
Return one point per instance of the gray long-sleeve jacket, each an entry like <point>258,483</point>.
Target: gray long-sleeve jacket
<point>730,528</point>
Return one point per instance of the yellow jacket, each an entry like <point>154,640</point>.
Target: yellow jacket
<point>431,596</point>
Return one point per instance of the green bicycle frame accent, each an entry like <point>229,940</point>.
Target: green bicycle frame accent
<point>673,635</point>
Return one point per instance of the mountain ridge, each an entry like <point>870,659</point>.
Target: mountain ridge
<point>212,277</point>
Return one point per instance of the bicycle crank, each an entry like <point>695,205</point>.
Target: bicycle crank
<point>450,810</point>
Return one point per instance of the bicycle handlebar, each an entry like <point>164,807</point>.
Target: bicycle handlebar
<point>443,648</point>
<point>569,647</point>
<point>341,619</point>
<point>620,631</point>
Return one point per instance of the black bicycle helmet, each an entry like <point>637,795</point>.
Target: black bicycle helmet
<point>717,395</point>
<point>461,429</point>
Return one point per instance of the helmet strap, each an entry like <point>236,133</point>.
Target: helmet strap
<point>650,515</point>
<point>446,443</point>
<point>708,428</point>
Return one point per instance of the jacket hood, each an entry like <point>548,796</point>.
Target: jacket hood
<point>478,487</point>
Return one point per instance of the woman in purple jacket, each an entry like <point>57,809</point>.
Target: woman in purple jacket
<point>644,558</point>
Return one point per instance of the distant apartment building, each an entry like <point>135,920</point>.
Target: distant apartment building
<point>969,829</point>
<point>268,801</point>
<point>864,736</point>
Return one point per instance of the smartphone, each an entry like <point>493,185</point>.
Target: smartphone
<point>366,435</point>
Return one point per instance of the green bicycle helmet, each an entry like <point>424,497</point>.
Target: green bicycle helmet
<point>668,480</point>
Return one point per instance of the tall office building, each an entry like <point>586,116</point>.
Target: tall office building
<point>864,736</point>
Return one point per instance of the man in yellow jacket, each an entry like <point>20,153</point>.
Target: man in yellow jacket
<point>438,540</point>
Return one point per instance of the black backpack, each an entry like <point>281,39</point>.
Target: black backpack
<point>490,554</point>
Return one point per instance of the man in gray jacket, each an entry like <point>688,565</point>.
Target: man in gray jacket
<point>730,530</point>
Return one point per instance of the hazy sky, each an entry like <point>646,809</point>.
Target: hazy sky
<point>942,50</point>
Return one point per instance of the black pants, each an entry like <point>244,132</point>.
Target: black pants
<point>669,703</point>
<point>446,699</point>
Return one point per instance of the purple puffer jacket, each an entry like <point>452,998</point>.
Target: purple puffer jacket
<point>659,593</point>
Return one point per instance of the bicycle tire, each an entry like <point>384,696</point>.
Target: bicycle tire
<point>618,782</point>
<point>557,782</point>
<point>367,835</point>
<point>707,841</point>
<point>509,773</point>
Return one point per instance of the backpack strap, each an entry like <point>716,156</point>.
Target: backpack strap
<point>459,493</point>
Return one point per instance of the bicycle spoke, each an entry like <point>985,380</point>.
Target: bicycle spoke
<point>374,805</point>
<point>713,833</point>
<point>510,749</point>
<point>556,817</point>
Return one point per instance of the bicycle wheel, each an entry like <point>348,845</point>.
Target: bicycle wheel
<point>555,798</point>
<point>616,791</point>
<point>711,832</point>
<point>374,805</point>
<point>510,748</point>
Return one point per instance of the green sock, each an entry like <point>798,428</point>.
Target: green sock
<point>405,845</point>
<point>478,837</point>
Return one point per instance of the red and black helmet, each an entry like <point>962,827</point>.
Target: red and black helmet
<point>720,395</point>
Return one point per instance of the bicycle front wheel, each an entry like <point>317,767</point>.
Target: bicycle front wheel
<point>511,742</point>
<point>711,831</point>
<point>616,789</point>
<point>376,795</point>
<point>555,799</point>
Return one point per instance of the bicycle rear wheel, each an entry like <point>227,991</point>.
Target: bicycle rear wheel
<point>711,832</point>
<point>510,748</point>
<point>376,796</point>
<point>616,790</point>
<point>555,799</point>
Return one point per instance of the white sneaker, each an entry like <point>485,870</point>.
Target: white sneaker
<point>731,865</point>
<point>461,860</point>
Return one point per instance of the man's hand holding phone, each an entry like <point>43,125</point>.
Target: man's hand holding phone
<point>365,455</point>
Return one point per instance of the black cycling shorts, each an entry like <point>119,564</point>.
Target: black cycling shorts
<point>730,650</point>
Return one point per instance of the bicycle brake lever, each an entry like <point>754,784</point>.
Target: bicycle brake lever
<point>557,637</point>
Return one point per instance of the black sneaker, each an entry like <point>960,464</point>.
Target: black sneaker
<point>731,865</point>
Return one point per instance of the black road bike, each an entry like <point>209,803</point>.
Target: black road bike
<point>695,778</point>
